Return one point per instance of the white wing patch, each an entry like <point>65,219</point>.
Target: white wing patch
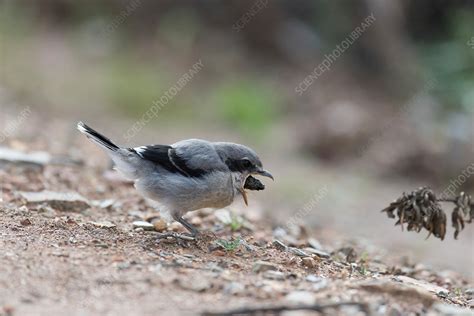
<point>140,150</point>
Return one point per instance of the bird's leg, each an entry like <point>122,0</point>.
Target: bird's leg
<point>191,236</point>
<point>193,230</point>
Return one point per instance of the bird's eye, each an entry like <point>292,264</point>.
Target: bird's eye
<point>246,163</point>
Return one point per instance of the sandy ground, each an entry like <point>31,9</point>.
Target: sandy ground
<point>64,258</point>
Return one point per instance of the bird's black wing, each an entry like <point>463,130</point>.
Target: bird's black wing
<point>166,157</point>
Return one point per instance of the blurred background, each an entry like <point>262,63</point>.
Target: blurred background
<point>394,111</point>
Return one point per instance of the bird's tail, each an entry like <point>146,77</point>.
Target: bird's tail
<point>96,137</point>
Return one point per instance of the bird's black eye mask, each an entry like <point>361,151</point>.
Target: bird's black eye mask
<point>239,165</point>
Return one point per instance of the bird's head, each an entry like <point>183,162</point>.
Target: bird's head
<point>242,161</point>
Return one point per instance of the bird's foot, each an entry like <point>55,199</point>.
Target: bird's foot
<point>181,239</point>
<point>203,240</point>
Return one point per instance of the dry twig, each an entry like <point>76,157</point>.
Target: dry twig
<point>421,209</point>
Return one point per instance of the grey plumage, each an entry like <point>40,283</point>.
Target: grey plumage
<point>185,176</point>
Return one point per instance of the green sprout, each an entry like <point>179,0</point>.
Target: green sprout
<point>229,245</point>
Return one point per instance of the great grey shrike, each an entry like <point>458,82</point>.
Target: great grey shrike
<point>185,176</point>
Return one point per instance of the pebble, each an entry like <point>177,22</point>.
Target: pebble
<point>308,262</point>
<point>104,224</point>
<point>62,201</point>
<point>39,158</point>
<point>313,278</point>
<point>317,252</point>
<point>297,252</point>
<point>274,275</point>
<point>433,288</point>
<point>143,225</point>
<point>262,266</point>
<point>300,297</point>
<point>234,288</point>
<point>196,284</point>
<point>279,245</point>
<point>451,310</point>
<point>25,222</point>
<point>103,203</point>
<point>159,224</point>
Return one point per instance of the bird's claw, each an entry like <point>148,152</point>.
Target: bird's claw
<point>181,239</point>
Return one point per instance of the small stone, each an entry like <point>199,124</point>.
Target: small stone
<point>25,222</point>
<point>308,262</point>
<point>297,252</point>
<point>62,201</point>
<point>160,224</point>
<point>313,278</point>
<point>409,292</point>
<point>470,291</point>
<point>300,297</point>
<point>103,203</point>
<point>433,288</point>
<point>39,158</point>
<point>317,252</point>
<point>104,224</point>
<point>314,243</point>
<point>451,310</point>
<point>143,225</point>
<point>262,266</point>
<point>274,275</point>
<point>234,288</point>
<point>196,283</point>
<point>279,245</point>
<point>23,210</point>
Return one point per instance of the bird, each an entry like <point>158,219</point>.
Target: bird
<point>186,176</point>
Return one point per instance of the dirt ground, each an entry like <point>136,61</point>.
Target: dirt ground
<point>88,257</point>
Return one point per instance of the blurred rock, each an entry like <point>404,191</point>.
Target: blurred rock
<point>62,201</point>
<point>297,252</point>
<point>25,222</point>
<point>159,224</point>
<point>234,288</point>
<point>104,203</point>
<point>308,262</point>
<point>274,275</point>
<point>143,225</point>
<point>300,297</point>
<point>39,158</point>
<point>196,283</point>
<point>433,288</point>
<point>262,266</point>
<point>279,245</point>
<point>451,310</point>
<point>319,253</point>
<point>104,224</point>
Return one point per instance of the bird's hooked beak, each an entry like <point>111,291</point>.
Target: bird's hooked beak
<point>265,173</point>
<point>262,173</point>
